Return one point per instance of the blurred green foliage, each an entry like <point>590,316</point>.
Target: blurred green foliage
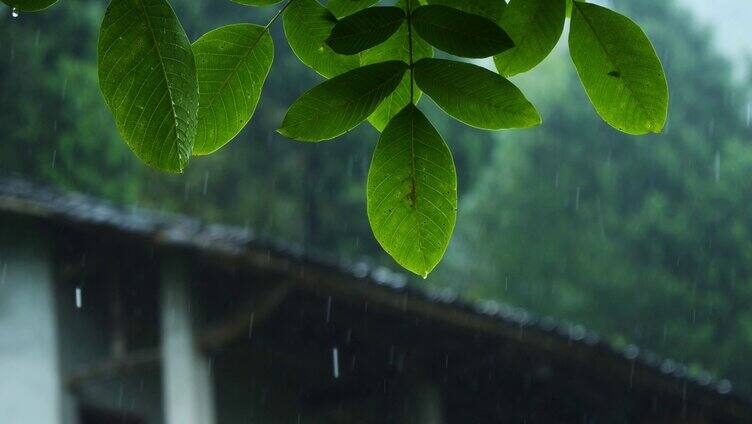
<point>647,240</point>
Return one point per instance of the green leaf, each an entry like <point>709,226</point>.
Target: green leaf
<point>341,103</point>
<point>307,26</point>
<point>475,95</point>
<point>29,5</point>
<point>619,69</point>
<point>232,63</point>
<point>365,29</point>
<point>148,77</point>
<point>342,8</point>
<point>396,48</point>
<point>535,26</point>
<point>569,7</point>
<point>412,192</point>
<point>460,33</point>
<point>490,9</point>
<point>257,2</point>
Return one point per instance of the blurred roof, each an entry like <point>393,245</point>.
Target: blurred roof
<point>569,342</point>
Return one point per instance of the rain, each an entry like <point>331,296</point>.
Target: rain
<point>603,275</point>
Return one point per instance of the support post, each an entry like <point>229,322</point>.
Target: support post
<point>186,372</point>
<point>30,381</point>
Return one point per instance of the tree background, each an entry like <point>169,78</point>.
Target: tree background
<point>646,240</point>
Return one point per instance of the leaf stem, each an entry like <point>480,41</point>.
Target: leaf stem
<point>278,14</point>
<point>410,48</point>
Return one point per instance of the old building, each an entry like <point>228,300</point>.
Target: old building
<point>112,315</point>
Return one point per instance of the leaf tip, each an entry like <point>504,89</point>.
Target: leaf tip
<point>169,170</point>
<point>420,271</point>
<point>178,170</point>
<point>537,119</point>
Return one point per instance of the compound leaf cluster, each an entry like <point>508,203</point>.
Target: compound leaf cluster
<point>173,99</point>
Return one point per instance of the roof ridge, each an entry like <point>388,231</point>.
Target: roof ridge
<point>20,196</point>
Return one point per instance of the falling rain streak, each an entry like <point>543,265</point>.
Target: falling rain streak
<point>654,226</point>
<point>79,298</point>
<point>335,362</point>
<point>250,327</point>
<point>717,166</point>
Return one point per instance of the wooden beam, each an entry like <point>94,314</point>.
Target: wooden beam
<point>252,313</point>
<point>118,334</point>
<point>114,367</point>
<point>215,337</point>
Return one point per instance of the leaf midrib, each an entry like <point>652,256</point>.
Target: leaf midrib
<point>454,31</point>
<point>382,26</point>
<point>162,65</point>
<point>457,32</point>
<point>355,100</point>
<point>472,94</point>
<point>626,83</point>
<point>234,71</point>
<point>414,192</point>
<point>514,51</point>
